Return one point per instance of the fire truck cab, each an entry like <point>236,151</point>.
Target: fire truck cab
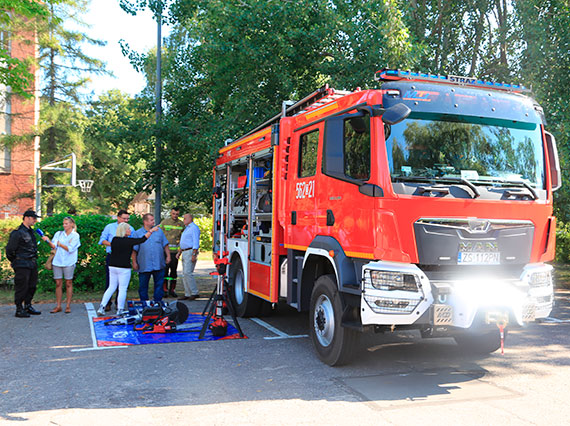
<point>425,204</point>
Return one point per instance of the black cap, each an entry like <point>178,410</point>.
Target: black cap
<point>30,213</point>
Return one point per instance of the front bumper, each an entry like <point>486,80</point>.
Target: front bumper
<point>454,302</point>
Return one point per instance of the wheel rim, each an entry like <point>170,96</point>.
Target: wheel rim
<point>239,290</point>
<point>323,320</point>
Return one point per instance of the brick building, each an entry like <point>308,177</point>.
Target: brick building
<point>18,116</point>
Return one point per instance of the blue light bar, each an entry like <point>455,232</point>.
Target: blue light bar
<point>389,74</point>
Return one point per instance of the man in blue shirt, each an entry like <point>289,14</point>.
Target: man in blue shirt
<point>188,251</point>
<point>105,240</point>
<point>151,258</point>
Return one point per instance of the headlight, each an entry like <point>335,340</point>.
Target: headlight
<point>390,292</point>
<point>390,281</point>
<point>540,279</point>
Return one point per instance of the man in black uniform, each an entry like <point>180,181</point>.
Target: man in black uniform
<point>22,252</point>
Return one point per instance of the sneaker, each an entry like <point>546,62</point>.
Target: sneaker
<point>101,311</point>
<point>172,294</point>
<point>22,313</point>
<point>31,310</point>
<point>121,312</point>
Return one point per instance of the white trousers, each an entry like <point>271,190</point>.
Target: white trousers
<point>118,277</point>
<point>190,286</point>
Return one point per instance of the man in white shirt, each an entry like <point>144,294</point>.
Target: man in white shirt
<point>188,251</point>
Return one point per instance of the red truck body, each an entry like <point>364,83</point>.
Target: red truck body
<point>377,208</point>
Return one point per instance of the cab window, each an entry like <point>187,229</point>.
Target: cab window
<point>308,154</point>
<point>357,147</point>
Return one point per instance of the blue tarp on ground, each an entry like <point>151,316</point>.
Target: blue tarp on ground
<point>120,335</point>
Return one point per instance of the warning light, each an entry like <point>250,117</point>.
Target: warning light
<point>389,74</point>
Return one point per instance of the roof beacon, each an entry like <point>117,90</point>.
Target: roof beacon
<point>389,74</point>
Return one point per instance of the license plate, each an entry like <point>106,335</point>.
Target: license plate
<point>497,317</point>
<point>478,258</point>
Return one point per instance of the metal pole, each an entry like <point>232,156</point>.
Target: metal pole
<point>38,191</point>
<point>157,186</point>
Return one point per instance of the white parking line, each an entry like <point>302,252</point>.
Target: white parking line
<point>556,320</point>
<point>90,315</point>
<point>280,334</point>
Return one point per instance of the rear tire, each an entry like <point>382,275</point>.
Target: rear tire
<point>482,343</point>
<point>333,343</point>
<point>245,304</point>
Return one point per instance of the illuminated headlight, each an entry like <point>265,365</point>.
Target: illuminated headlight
<point>390,281</point>
<point>389,292</point>
<point>387,305</point>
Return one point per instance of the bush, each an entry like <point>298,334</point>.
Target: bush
<point>205,225</point>
<point>90,271</point>
<point>562,243</point>
<point>6,226</point>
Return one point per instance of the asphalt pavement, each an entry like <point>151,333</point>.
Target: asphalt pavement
<point>51,374</point>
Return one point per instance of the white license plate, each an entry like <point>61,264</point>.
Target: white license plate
<point>478,258</point>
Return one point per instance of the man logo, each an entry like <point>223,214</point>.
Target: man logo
<point>479,226</point>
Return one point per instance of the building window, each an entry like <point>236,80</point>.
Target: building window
<point>5,109</point>
<point>5,152</point>
<point>308,154</point>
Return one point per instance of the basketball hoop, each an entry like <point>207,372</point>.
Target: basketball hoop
<point>85,185</point>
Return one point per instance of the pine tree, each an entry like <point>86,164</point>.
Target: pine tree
<point>65,68</point>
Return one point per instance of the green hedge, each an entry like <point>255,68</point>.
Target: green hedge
<point>90,270</point>
<point>205,225</point>
<point>562,243</point>
<point>6,226</point>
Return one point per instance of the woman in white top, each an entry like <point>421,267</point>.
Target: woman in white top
<point>65,243</point>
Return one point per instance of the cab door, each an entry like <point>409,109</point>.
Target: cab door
<point>344,211</point>
<point>303,172</point>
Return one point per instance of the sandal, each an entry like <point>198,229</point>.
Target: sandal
<point>67,310</point>
<point>55,310</point>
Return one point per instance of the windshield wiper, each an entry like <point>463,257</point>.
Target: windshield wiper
<point>525,184</point>
<point>434,179</point>
<point>515,183</point>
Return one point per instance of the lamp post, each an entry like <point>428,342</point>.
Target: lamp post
<point>158,98</point>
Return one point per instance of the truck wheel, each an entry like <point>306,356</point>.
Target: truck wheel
<point>485,343</point>
<point>333,343</point>
<point>245,304</point>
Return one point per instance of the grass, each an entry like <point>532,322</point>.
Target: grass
<point>562,276</point>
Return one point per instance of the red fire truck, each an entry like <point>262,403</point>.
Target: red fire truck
<point>424,204</point>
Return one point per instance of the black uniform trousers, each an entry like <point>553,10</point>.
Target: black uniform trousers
<point>25,283</point>
<point>170,273</point>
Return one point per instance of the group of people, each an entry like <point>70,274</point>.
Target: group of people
<point>151,251</point>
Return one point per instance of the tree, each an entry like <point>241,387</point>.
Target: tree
<point>230,64</point>
<point>18,18</point>
<point>65,70</point>
<point>473,37</point>
<point>119,133</point>
<point>545,64</point>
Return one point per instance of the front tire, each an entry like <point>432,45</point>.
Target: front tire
<point>245,304</point>
<point>333,342</point>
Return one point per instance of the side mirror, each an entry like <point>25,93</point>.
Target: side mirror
<point>395,114</point>
<point>554,163</point>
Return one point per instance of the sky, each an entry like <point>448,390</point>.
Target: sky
<point>109,23</point>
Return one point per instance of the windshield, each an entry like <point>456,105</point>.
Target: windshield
<point>475,151</point>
